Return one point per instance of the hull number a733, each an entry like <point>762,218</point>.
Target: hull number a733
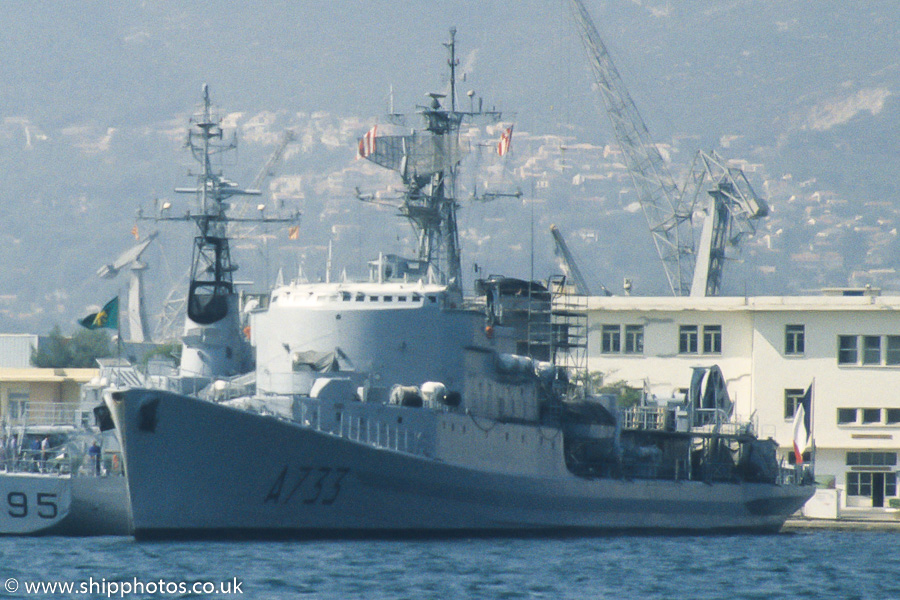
<point>306,485</point>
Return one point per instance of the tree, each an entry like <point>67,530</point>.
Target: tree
<point>170,351</point>
<point>80,351</point>
<point>627,396</point>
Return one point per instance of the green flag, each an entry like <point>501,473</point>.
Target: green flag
<point>108,317</point>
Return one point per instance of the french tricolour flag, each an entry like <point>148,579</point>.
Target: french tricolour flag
<point>367,143</point>
<point>802,427</point>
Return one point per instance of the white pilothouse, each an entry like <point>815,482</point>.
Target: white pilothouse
<point>396,407</point>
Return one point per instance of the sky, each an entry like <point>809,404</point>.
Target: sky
<point>94,99</point>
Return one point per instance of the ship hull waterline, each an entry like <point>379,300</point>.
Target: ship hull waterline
<point>199,470</point>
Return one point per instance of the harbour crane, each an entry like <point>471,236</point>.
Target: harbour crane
<point>243,227</point>
<point>670,224</point>
<point>581,285</point>
<point>268,169</point>
<point>729,211</point>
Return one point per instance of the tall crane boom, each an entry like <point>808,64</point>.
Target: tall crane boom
<point>581,286</point>
<point>733,207</point>
<point>670,224</point>
<point>267,169</point>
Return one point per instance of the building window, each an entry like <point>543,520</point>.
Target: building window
<point>871,459</point>
<point>687,339</point>
<point>846,416</point>
<point>611,338</point>
<point>794,339</point>
<point>712,339</point>
<point>792,397</point>
<point>859,484</point>
<point>892,350</point>
<point>18,405</point>
<point>871,416</point>
<point>871,350</point>
<point>792,459</point>
<point>893,416</point>
<point>847,349</point>
<point>634,339</point>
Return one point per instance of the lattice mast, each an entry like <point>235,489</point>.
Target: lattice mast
<point>212,301</point>
<point>428,162</point>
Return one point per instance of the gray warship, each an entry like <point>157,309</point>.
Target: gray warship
<point>397,406</point>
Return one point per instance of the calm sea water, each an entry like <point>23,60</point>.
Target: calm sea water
<point>846,565</point>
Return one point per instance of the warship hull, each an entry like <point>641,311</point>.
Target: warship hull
<point>53,504</point>
<point>33,503</point>
<point>198,469</point>
<point>99,507</point>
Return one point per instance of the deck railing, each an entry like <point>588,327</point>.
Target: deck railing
<point>369,430</point>
<point>47,414</point>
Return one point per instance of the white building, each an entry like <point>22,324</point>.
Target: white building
<point>16,349</point>
<point>845,343</point>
